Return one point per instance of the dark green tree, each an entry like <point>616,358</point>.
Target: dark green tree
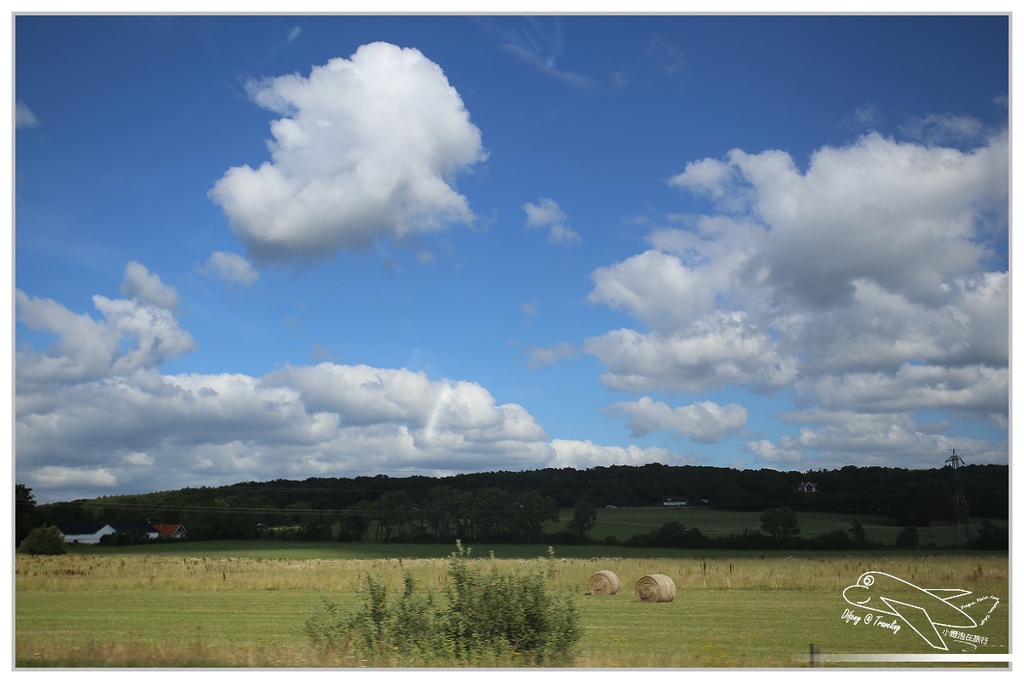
<point>395,513</point>
<point>780,522</point>
<point>24,512</point>
<point>528,514</point>
<point>584,516</point>
<point>489,514</point>
<point>907,538</point>
<point>446,509</point>
<point>45,540</point>
<point>857,532</point>
<point>991,537</point>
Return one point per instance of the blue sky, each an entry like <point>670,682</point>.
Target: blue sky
<point>259,247</point>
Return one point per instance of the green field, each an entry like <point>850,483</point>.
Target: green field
<point>623,523</point>
<point>244,604</point>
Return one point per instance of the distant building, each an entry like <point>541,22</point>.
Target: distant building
<point>170,530</point>
<point>674,502</point>
<point>84,533</point>
<point>808,487</point>
<point>135,529</point>
<point>92,533</point>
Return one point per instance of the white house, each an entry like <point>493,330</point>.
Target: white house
<point>92,533</point>
<point>85,533</point>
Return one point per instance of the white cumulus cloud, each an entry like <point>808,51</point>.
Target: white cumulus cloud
<point>366,148</point>
<point>722,350</point>
<point>586,454</point>
<point>873,284</point>
<point>136,333</point>
<point>230,267</point>
<point>548,215</point>
<point>147,288</point>
<point>704,421</point>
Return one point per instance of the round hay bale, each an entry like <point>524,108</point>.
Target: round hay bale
<point>603,582</point>
<point>655,588</point>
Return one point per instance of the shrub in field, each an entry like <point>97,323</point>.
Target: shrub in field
<point>487,616</point>
<point>381,628</point>
<point>990,537</point>
<point>908,538</point>
<point>45,540</point>
<point>833,540</point>
<point>672,534</point>
<point>509,611</point>
<point>780,522</point>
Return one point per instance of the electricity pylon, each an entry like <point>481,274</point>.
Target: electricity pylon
<point>961,517</point>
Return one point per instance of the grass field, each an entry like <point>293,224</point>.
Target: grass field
<point>245,604</point>
<point>623,523</point>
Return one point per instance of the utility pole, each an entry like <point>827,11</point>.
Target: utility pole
<point>961,517</point>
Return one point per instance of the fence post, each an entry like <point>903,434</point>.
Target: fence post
<point>815,651</point>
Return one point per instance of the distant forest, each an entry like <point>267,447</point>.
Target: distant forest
<point>516,506</point>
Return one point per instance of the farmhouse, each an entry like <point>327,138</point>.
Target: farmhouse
<point>92,533</point>
<point>808,487</point>
<point>85,533</point>
<point>170,530</point>
<point>674,502</point>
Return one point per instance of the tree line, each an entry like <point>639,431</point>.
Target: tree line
<point>515,506</point>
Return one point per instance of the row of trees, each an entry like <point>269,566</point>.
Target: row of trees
<point>780,529</point>
<point>442,514</point>
<point>514,506</point>
<point>445,514</point>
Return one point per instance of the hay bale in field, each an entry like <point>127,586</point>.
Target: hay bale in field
<point>655,588</point>
<point>603,582</point>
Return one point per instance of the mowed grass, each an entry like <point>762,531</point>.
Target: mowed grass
<point>152,610</point>
<point>624,523</point>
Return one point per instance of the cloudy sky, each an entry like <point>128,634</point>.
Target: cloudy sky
<point>250,248</point>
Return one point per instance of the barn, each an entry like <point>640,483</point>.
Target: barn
<point>92,533</point>
<point>85,533</point>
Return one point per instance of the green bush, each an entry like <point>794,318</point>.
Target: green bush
<point>780,522</point>
<point>488,618</point>
<point>45,540</point>
<point>908,538</point>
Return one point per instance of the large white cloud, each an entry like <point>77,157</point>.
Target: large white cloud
<point>360,395</point>
<point>148,431</point>
<point>724,349</point>
<point>872,283</point>
<point>904,216</point>
<point>704,421</point>
<point>688,274</point>
<point>135,333</point>
<point>141,285</point>
<point>366,148</point>
<point>586,454</point>
<point>977,389</point>
<point>870,439</point>
<point>95,415</point>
